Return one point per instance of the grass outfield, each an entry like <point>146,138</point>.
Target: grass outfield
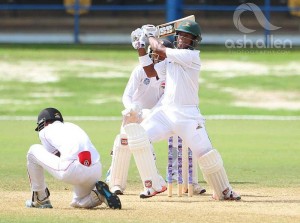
<point>89,80</point>
<point>261,157</point>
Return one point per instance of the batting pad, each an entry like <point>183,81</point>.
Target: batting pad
<point>214,173</point>
<point>120,162</point>
<point>140,147</point>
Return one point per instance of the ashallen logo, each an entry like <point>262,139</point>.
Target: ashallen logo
<point>258,14</point>
<point>263,21</point>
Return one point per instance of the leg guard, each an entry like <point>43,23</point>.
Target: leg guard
<point>120,162</point>
<point>214,173</point>
<point>140,147</point>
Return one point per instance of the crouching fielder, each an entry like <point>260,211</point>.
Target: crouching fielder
<point>68,155</point>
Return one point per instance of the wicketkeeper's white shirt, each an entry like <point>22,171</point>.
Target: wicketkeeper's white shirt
<point>69,139</point>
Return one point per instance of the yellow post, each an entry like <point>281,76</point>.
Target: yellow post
<point>83,3</point>
<point>294,3</point>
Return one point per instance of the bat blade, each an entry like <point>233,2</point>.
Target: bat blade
<point>168,29</point>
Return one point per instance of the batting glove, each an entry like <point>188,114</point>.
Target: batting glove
<point>141,42</point>
<point>150,30</point>
<point>135,35</point>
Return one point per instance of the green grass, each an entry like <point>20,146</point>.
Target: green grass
<point>264,153</point>
<point>73,65</point>
<point>254,141</point>
<point>256,154</point>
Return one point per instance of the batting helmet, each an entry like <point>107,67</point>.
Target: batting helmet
<point>190,27</point>
<point>48,114</point>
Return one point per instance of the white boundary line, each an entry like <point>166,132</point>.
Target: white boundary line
<point>119,118</point>
<point>73,118</point>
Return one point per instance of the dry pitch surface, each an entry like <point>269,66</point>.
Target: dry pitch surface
<point>257,205</point>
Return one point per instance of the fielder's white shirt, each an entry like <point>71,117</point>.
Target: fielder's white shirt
<point>143,90</point>
<point>69,139</point>
<point>181,69</point>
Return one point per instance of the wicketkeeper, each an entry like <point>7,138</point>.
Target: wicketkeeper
<point>68,155</point>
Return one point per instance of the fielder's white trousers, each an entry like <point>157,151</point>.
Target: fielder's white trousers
<point>83,178</point>
<point>186,122</point>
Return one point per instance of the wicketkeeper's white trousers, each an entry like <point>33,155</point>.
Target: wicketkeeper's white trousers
<point>83,178</point>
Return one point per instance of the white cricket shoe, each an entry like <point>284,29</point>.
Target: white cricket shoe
<point>36,203</point>
<point>150,192</point>
<point>228,195</point>
<point>198,189</point>
<point>117,190</point>
<point>39,204</point>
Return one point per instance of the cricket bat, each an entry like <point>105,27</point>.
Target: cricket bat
<point>168,29</point>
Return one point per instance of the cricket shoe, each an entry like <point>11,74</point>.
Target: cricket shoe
<point>110,199</point>
<point>174,177</point>
<point>150,192</point>
<point>198,189</point>
<point>39,204</point>
<point>117,190</point>
<point>228,195</point>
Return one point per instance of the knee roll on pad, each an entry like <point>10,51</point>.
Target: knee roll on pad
<point>211,162</point>
<point>137,136</point>
<point>214,173</point>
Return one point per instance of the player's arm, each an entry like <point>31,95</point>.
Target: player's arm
<point>138,40</point>
<point>149,69</point>
<point>151,32</point>
<point>157,46</point>
<point>131,88</point>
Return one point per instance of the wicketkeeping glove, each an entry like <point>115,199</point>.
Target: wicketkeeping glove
<point>150,30</point>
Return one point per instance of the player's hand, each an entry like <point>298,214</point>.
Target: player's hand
<point>150,30</point>
<point>141,42</point>
<point>133,114</point>
<point>132,109</point>
<point>138,39</point>
<point>135,35</point>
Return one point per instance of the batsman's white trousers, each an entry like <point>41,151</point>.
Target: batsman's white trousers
<point>186,121</point>
<point>83,178</point>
